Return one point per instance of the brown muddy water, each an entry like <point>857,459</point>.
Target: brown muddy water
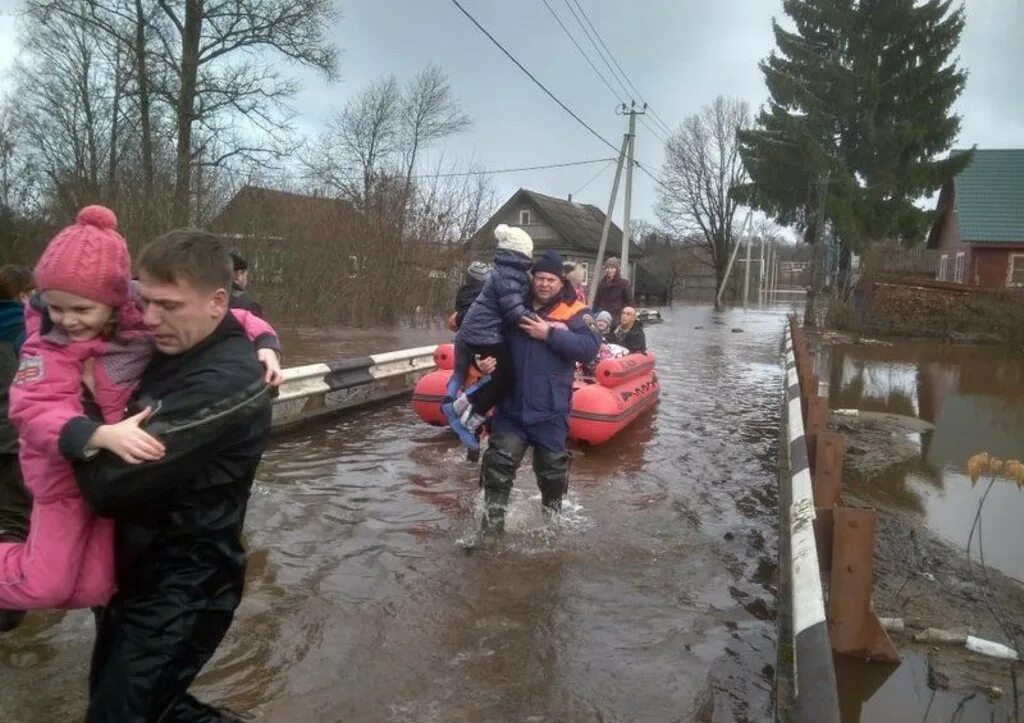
<point>654,600</point>
<point>975,398</point>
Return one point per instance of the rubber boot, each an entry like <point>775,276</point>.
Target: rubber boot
<point>552,470</point>
<point>501,461</point>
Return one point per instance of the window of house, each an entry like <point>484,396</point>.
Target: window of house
<point>1016,276</point>
<point>943,267</point>
<point>959,271</point>
<point>586,272</point>
<point>524,217</point>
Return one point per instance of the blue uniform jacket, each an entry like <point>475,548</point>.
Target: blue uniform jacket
<point>501,302</point>
<point>544,369</point>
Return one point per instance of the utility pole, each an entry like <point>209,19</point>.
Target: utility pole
<point>732,259</point>
<point>632,112</point>
<point>595,277</point>
<point>760,276</point>
<point>746,274</point>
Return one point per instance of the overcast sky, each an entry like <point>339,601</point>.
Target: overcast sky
<point>679,53</point>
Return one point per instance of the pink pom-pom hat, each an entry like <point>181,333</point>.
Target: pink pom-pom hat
<point>89,258</point>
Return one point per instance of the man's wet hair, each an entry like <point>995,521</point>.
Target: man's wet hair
<point>191,255</point>
<point>15,281</point>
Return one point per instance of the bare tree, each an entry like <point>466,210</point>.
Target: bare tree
<point>69,100</point>
<point>124,29</point>
<point>429,113</point>
<point>360,141</point>
<point>213,51</point>
<point>701,168</point>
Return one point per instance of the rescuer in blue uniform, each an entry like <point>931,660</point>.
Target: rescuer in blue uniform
<point>544,352</point>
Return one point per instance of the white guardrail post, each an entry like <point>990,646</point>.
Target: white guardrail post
<point>815,696</point>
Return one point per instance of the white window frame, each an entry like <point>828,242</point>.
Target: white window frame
<point>525,217</point>
<point>1011,267</point>
<point>586,271</point>
<point>960,268</point>
<point>943,267</point>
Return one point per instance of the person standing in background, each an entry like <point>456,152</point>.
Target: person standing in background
<point>240,298</point>
<point>613,292</point>
<point>16,283</point>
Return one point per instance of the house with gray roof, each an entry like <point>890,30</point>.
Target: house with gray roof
<point>572,229</point>
<point>979,224</point>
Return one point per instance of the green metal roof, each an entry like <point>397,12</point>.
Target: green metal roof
<point>990,197</point>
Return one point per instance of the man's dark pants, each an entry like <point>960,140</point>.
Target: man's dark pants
<point>15,501</point>
<point>506,448</point>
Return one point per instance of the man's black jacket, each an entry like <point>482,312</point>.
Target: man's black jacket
<point>179,554</point>
<point>635,340</point>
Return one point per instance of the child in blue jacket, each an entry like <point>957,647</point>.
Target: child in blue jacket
<point>500,305</point>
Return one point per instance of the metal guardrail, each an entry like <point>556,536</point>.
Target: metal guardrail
<point>815,697</point>
<point>315,390</point>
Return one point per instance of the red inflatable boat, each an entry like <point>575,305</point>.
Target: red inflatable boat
<point>623,389</point>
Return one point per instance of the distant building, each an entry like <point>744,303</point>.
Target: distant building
<point>979,226</point>
<point>269,228</point>
<point>571,229</point>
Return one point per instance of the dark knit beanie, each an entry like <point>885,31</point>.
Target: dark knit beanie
<point>550,262</point>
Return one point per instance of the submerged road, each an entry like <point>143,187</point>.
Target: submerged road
<point>655,601</point>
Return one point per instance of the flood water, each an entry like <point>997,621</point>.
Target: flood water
<point>654,600</point>
<point>975,398</point>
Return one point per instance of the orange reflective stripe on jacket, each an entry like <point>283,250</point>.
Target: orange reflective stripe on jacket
<point>563,312</point>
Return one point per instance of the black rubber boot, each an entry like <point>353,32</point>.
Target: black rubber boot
<point>552,470</point>
<point>501,461</point>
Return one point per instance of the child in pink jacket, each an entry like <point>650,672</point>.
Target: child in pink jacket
<point>90,344</point>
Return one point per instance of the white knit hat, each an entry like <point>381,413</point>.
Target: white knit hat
<point>514,239</point>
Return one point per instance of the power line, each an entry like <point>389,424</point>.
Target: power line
<point>582,52</point>
<point>491,172</point>
<point>655,131</point>
<point>551,95</point>
<point>531,76</point>
<point>594,177</point>
<point>611,55</point>
<point>593,42</point>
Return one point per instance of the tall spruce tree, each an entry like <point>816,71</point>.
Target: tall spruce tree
<point>859,115</point>
<point>907,84</point>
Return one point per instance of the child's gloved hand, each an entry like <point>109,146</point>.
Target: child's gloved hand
<point>128,440</point>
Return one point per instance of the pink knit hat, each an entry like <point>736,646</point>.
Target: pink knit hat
<point>88,259</point>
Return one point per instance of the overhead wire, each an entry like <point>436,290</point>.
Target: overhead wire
<point>593,42</point>
<point>582,52</point>
<point>611,55</point>
<point>551,95</point>
<point>494,171</point>
<point>532,77</point>
<point>656,131</point>
<point>595,176</point>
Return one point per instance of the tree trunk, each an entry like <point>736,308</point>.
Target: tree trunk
<point>145,123</point>
<point>112,162</point>
<point>190,35</point>
<point>816,237</point>
<point>843,270</point>
<point>719,277</point>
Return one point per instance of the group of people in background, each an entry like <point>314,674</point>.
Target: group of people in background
<point>524,333</point>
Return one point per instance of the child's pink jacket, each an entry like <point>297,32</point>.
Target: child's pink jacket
<point>68,559</point>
